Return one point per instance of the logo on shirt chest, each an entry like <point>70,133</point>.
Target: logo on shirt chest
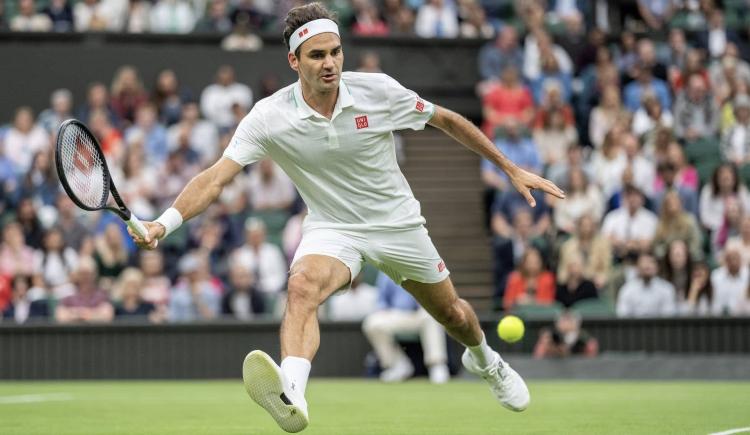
<point>361,122</point>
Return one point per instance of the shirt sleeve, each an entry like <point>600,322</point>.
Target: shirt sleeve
<point>248,143</point>
<point>407,110</point>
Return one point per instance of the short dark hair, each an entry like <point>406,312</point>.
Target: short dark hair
<point>301,15</point>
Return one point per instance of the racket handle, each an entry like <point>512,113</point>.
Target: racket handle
<point>137,226</point>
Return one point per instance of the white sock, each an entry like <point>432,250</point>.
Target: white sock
<point>296,370</point>
<point>482,353</point>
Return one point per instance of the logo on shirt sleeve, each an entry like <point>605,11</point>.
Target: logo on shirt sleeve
<point>361,122</point>
<point>420,104</point>
<point>441,266</point>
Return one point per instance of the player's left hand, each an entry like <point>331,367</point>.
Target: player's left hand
<point>524,181</point>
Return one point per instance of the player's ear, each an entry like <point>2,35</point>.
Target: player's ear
<point>293,61</point>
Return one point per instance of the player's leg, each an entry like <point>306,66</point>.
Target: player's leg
<point>381,328</point>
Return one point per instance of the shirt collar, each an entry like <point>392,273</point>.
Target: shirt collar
<point>304,110</point>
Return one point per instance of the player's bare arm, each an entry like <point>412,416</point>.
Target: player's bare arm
<point>197,195</point>
<point>460,129</point>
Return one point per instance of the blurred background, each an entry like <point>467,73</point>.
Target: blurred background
<point>640,110</point>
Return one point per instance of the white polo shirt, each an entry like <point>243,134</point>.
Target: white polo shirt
<point>344,168</point>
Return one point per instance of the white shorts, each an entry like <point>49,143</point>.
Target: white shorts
<point>400,254</point>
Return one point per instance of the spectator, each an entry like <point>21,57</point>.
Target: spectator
<point>694,64</point>
<point>627,56</point>
<point>495,57</point>
<point>678,49</point>
<point>270,188</point>
<point>138,16</point>
<point>676,224</point>
<point>530,283</point>
<point>111,253</point>
<point>645,82</point>
<point>647,57</point>
<point>217,99</point>
<point>55,261</point>
<point>575,287</point>
<point>656,13</point>
<point>40,185</point>
<point>507,99</point>
<point>61,108</point>
<point>23,308</point>
<point>243,300</point>
<point>554,137</point>
<point>73,230</point>
<point>137,182</point>
<point>242,38</point>
<point>89,304</point>
<point>643,169</point>
<point>131,305</point>
<point>730,283</point>
<point>156,285</point>
<point>150,134</point>
<point>716,36</point>
<point>355,304</point>
<point>552,100</point>
<point>16,257</point>
<point>216,20</point>
<point>696,112</point>
<point>518,148</point>
<point>677,268</point>
<point>264,259</point>
<point>398,313</point>
<point>646,295</point>
<point>195,133</point>
<point>727,73</point>
<point>24,139</point>
<point>404,23</point>
<point>687,175</point>
<point>60,14</point>
<point>559,173</point>
<point>742,240</point>
<point>651,116</point>
<point>730,226</point>
<point>567,338</point>
<point>725,185</point>
<point>27,217</point>
<point>99,15</point>
<point>551,77</point>
<point>197,294</point>
<point>128,94</point>
<point>29,20</point>
<point>609,163</point>
<point>700,295</point>
<point>476,25</point>
<point>97,98</point>
<point>435,19</point>
<point>168,98</point>
<point>630,228</point>
<point>172,16</point>
<point>592,247</point>
<point>367,21</point>
<point>110,138</point>
<point>666,182</point>
<point>604,116</point>
<point>735,142</point>
<point>582,198</point>
<point>538,46</point>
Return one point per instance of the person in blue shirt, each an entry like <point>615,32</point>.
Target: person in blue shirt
<point>633,92</point>
<point>399,313</point>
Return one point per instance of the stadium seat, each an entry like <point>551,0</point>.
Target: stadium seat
<point>597,308</point>
<point>534,311</point>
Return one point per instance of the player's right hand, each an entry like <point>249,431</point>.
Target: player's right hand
<point>155,232</point>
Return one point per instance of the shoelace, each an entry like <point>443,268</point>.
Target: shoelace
<point>497,371</point>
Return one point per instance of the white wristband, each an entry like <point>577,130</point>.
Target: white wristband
<point>171,219</point>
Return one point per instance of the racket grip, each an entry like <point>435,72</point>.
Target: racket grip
<point>137,226</point>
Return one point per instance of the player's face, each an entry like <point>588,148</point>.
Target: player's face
<point>320,62</point>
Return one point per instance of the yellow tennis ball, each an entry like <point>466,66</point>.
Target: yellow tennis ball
<point>510,329</point>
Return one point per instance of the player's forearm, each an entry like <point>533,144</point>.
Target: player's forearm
<point>197,195</point>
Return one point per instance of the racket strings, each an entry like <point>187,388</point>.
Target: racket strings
<point>83,167</point>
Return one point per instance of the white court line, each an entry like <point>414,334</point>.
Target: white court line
<point>731,431</point>
<point>34,398</point>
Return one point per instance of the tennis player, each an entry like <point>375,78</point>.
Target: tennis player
<point>331,132</point>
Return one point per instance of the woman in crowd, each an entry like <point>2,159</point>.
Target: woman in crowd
<point>593,248</point>
<point>609,163</point>
<point>554,137</point>
<point>16,257</point>
<point>110,252</point>
<point>575,287</point>
<point>582,198</point>
<point>128,94</point>
<point>677,268</point>
<point>724,184</point>
<point>530,283</point>
<point>130,304</point>
<point>156,285</point>
<point>55,261</point>
<point>604,116</point>
<point>730,226</point>
<point>700,294</point>
<point>676,224</point>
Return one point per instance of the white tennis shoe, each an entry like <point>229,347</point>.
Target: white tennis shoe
<point>268,387</point>
<point>506,385</point>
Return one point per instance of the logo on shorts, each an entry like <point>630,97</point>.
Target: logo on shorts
<point>441,266</point>
<point>302,33</point>
<point>420,104</point>
<point>361,122</point>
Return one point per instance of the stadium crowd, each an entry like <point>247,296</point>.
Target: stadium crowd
<point>649,136</point>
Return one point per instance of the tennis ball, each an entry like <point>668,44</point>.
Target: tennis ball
<point>510,329</point>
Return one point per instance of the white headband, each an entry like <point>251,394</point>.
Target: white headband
<point>308,30</point>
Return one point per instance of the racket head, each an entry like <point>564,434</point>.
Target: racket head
<point>81,166</point>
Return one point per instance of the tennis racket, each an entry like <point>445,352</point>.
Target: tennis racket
<point>84,174</point>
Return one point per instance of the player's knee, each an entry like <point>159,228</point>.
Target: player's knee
<point>452,317</point>
<point>303,291</point>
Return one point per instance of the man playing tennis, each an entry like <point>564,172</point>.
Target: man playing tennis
<point>331,132</point>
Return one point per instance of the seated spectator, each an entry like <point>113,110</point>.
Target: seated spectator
<point>242,300</point>
<point>554,137</point>
<point>168,97</point>
<point>196,295</point>
<point>626,53</point>
<point>136,183</point>
<point>367,21</point>
<point>354,304</point>
<point>581,198</point>
<point>16,257</point>
<point>264,259</point>
<point>695,111</point>
<point>538,42</point>
<point>138,16</point>
<point>99,15</point>
<point>496,56</point>
<point>60,14</point>
<point>435,19</point>
<point>651,116</point>
<point>630,228</point>
<point>676,224</point>
<point>592,247</point>
<point>666,182</point>
<point>645,82</point>
<point>404,22</point>
<point>715,38</point>
<point>399,313</point>
<point>29,20</point>
<point>111,252</point>
<point>700,295</point>
<point>509,98</point>
<point>242,37</point>
<point>735,142</point>
<point>130,303</point>
<point>725,184</point>
<point>23,308</point>
<point>559,173</point>
<point>475,24</point>
<point>61,108</point>
<point>73,230</point>
<point>128,94</point>
<point>149,134</point>
<point>647,57</point>
<point>604,116</point>
<point>730,283</point>
<point>566,339</point>
<point>646,295</point>
<point>156,285</point>
<point>172,16</point>
<point>55,261</point>
<point>694,64</point>
<point>216,19</point>
<point>677,52</point>
<point>270,188</point>
<point>89,303</point>
<point>727,73</point>
<point>551,76</point>
<point>518,148</point>
<point>195,133</point>
<point>40,185</point>
<point>677,267</point>
<point>530,283</point>
<point>553,100</point>
<point>24,139</point>
<point>656,14</point>
<point>575,287</point>
<point>609,163</point>
<point>110,138</point>
<point>97,99</point>
<point>730,226</point>
<point>28,217</point>
<point>217,99</point>
<point>687,175</point>
<point>643,169</point>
